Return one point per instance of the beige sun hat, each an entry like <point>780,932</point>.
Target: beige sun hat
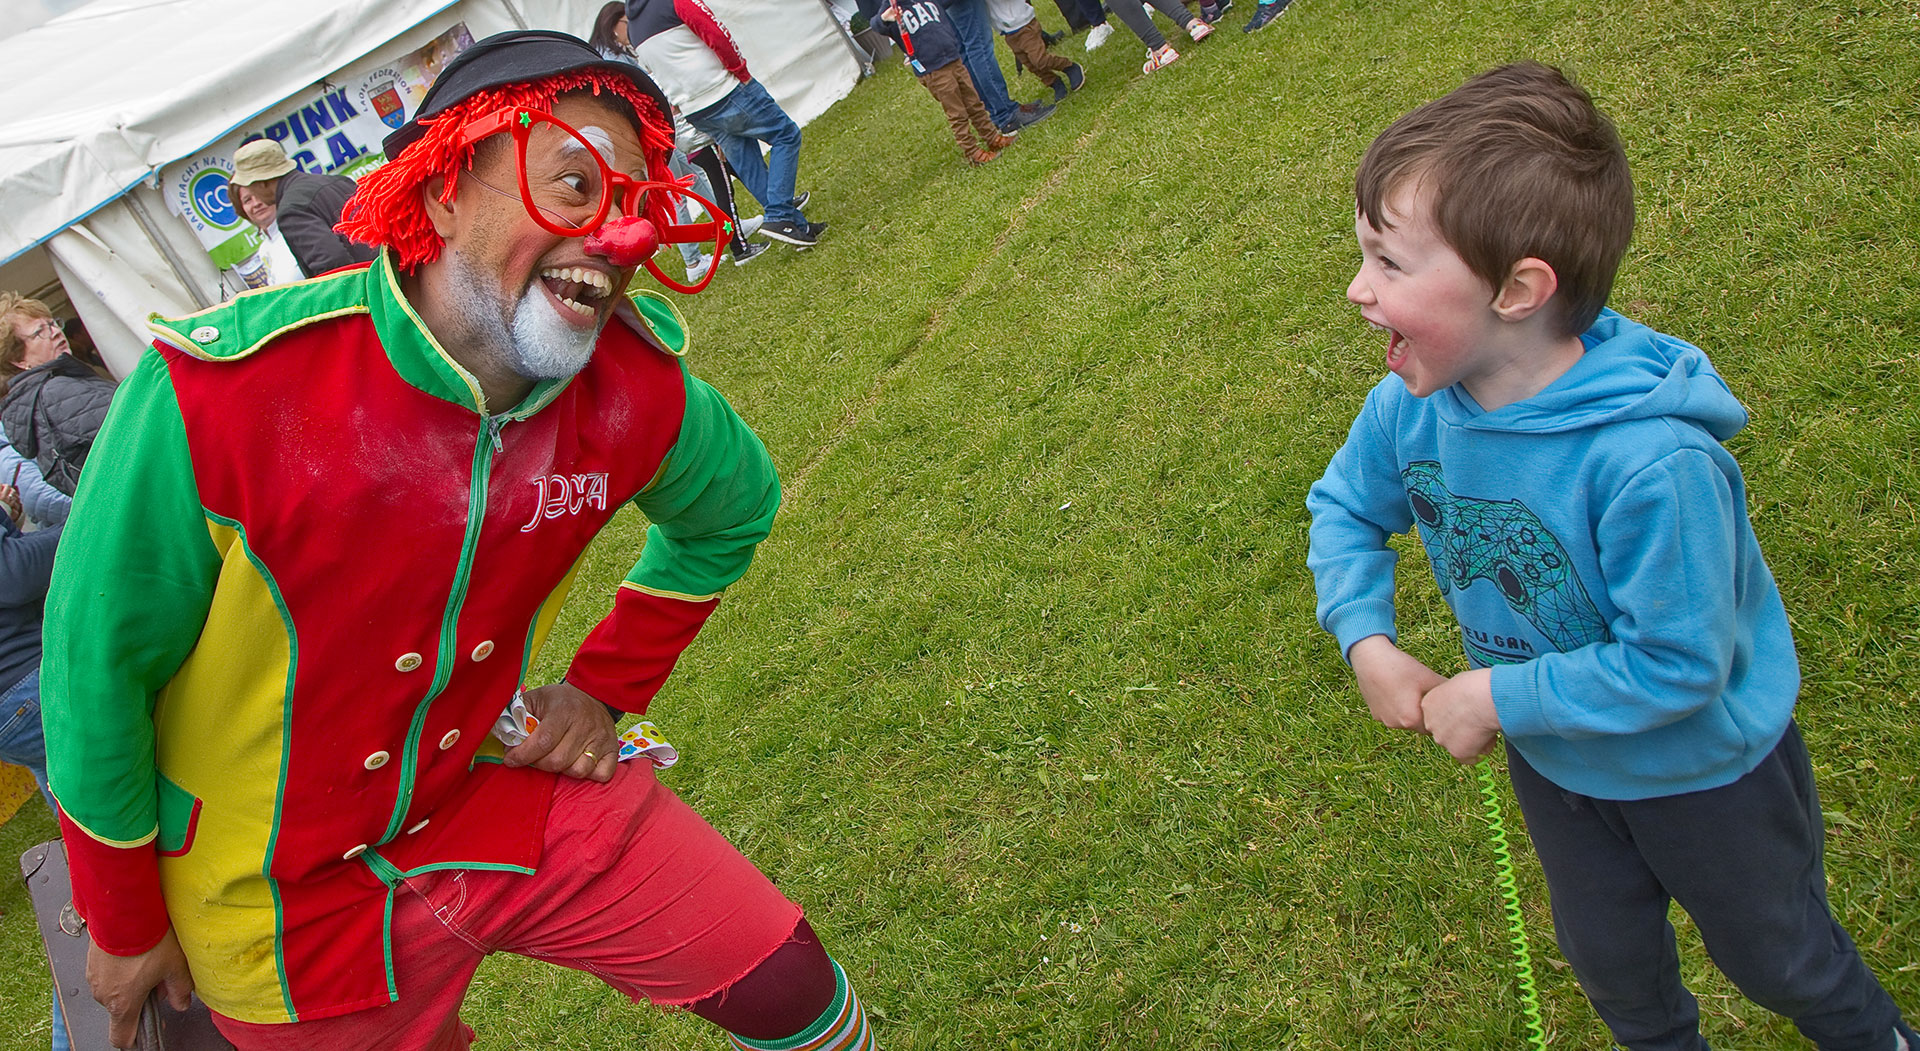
<point>258,161</point>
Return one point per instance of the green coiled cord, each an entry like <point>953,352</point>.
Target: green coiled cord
<point>1516,924</point>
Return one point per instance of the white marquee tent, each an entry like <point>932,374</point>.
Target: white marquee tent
<point>99,102</point>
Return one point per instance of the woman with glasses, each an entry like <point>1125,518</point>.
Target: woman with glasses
<point>29,335</point>
<point>55,402</point>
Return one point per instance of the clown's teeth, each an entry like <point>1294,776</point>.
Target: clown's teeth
<point>595,283</point>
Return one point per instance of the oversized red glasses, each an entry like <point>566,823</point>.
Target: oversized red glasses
<point>569,189</point>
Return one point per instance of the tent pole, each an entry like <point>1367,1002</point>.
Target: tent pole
<point>859,53</point>
<point>159,240</point>
<point>514,13</point>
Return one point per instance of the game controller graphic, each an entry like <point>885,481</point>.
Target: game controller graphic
<point>1502,542</point>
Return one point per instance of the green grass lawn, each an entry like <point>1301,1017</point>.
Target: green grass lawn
<point>1024,699</point>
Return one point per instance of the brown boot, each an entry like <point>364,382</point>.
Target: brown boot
<point>977,156</point>
<point>1000,142</point>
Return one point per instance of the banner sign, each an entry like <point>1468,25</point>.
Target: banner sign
<point>335,131</point>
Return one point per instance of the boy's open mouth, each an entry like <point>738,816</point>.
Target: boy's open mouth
<point>578,289</point>
<point>1396,356</point>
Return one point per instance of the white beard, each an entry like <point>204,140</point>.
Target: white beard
<point>535,342</point>
<point>544,346</point>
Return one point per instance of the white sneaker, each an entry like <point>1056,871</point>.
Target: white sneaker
<point>1098,35</point>
<point>699,270</point>
<point>749,227</point>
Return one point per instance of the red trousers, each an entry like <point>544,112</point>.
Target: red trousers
<point>633,887</point>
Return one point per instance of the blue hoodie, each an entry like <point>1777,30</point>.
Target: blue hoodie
<point>1594,546</point>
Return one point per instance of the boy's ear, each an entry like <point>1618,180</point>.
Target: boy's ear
<point>1529,285</point>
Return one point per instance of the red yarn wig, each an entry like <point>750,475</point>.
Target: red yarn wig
<point>386,209</point>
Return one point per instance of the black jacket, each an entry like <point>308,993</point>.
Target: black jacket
<point>52,413</point>
<point>309,207</point>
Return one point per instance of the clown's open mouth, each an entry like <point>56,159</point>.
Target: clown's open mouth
<point>577,288</point>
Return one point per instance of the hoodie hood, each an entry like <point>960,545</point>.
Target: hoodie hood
<point>1629,372</point>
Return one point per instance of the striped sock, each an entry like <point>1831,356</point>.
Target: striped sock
<point>841,1027</point>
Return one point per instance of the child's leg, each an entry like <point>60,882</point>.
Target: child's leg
<point>1175,10</point>
<point>976,109</point>
<point>1746,862</point>
<point>1027,44</point>
<point>1609,915</point>
<point>943,84</point>
<point>1135,19</point>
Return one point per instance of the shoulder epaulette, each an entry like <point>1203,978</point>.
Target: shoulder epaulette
<point>249,321</point>
<point>662,319</point>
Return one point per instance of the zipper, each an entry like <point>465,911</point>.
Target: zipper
<point>486,443</point>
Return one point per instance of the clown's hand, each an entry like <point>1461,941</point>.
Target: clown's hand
<point>575,735</point>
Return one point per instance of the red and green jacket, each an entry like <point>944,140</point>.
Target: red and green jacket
<point>307,567</point>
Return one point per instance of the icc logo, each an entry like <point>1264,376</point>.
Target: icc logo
<point>213,199</point>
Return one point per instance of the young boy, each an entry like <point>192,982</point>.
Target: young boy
<point>933,51</point>
<point>1016,22</point>
<point>1563,465</point>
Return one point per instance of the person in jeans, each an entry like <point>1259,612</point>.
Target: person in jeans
<point>934,50</point>
<point>26,565</point>
<point>693,58</point>
<point>694,156</point>
<point>972,21</point>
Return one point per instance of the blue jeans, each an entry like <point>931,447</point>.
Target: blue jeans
<point>24,743</point>
<point>976,53</point>
<point>742,121</point>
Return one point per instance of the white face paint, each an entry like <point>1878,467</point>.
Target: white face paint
<point>546,346</point>
<point>598,138</point>
<point>527,337</point>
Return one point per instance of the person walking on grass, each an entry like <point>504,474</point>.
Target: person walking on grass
<point>933,49</point>
<point>1564,468</point>
<point>1017,23</point>
<point>272,751</point>
<point>694,59</point>
<point>694,157</point>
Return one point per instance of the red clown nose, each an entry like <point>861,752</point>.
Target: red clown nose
<point>624,242</point>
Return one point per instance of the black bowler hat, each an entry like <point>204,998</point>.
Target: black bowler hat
<point>515,57</point>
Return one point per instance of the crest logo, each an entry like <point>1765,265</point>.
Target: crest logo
<point>382,92</point>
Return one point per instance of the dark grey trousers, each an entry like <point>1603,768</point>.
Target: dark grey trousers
<point>1745,861</point>
<point>1129,12</point>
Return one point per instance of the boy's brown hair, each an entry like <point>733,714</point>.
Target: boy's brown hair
<point>1519,163</point>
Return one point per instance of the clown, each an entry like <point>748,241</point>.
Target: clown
<point>321,539</point>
